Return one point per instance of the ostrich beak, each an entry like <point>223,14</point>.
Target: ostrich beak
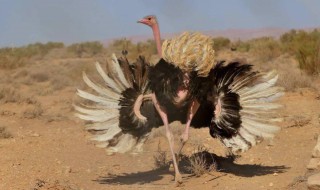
<point>143,21</point>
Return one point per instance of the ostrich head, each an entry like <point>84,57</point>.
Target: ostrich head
<point>152,22</point>
<point>149,20</point>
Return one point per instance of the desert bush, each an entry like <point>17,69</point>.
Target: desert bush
<point>160,158</point>
<point>265,48</point>
<point>240,46</point>
<point>86,49</point>
<point>309,60</point>
<point>33,112</point>
<point>221,43</point>
<point>11,58</point>
<point>39,77</point>
<point>201,162</point>
<point>147,48</point>
<point>305,46</point>
<point>60,82</point>
<point>293,81</point>
<point>8,95</point>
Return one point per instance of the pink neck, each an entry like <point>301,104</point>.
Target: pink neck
<point>156,35</point>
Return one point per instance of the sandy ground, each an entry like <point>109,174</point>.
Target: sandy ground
<point>51,150</point>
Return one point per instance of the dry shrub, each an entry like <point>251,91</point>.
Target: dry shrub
<point>305,46</point>
<point>290,76</point>
<point>4,134</point>
<point>160,158</point>
<point>201,162</point>
<point>299,121</point>
<point>21,74</point>
<point>39,77</point>
<point>54,185</point>
<point>34,112</point>
<point>59,82</point>
<point>266,48</point>
<point>86,49</point>
<point>292,81</point>
<point>221,43</point>
<point>9,95</point>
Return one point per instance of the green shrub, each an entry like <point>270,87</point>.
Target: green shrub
<point>86,48</point>
<point>305,46</point>
<point>11,58</point>
<point>266,48</point>
<point>240,46</point>
<point>221,43</point>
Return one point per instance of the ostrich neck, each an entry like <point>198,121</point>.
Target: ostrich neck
<point>156,35</point>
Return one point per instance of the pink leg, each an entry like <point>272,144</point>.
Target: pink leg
<point>191,112</point>
<point>162,112</point>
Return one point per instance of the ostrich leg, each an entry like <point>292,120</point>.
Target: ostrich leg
<point>162,112</point>
<point>194,106</point>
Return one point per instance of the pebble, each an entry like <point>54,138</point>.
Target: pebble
<point>314,163</point>
<point>34,135</point>
<point>314,182</point>
<point>67,170</point>
<point>270,184</point>
<point>316,150</point>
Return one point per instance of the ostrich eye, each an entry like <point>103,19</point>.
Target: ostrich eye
<point>149,18</point>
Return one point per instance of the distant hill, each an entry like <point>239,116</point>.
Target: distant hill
<point>232,34</point>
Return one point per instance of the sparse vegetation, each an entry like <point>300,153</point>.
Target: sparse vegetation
<point>266,48</point>
<point>160,158</point>
<point>8,95</point>
<point>221,43</point>
<point>86,49</point>
<point>11,58</point>
<point>33,112</point>
<point>240,46</point>
<point>305,46</point>
<point>201,162</point>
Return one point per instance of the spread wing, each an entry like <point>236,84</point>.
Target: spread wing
<point>242,100</point>
<point>113,122</point>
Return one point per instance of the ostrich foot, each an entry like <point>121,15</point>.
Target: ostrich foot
<point>178,180</point>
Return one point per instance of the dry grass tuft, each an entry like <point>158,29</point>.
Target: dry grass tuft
<point>160,159</point>
<point>32,113</point>
<point>10,95</point>
<point>299,121</point>
<point>293,81</point>
<point>201,162</point>
<point>4,134</point>
<point>39,77</point>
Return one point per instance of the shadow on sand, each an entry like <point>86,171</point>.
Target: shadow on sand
<point>224,165</point>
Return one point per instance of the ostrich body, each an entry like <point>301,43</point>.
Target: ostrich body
<point>181,96</point>
<point>187,84</point>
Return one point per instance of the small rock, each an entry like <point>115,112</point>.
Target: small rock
<point>314,182</point>
<point>270,184</point>
<point>271,142</point>
<point>67,170</point>
<point>275,174</point>
<point>313,164</point>
<point>316,150</point>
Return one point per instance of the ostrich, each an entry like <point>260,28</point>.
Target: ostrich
<point>152,22</point>
<point>187,84</point>
<point>182,93</point>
